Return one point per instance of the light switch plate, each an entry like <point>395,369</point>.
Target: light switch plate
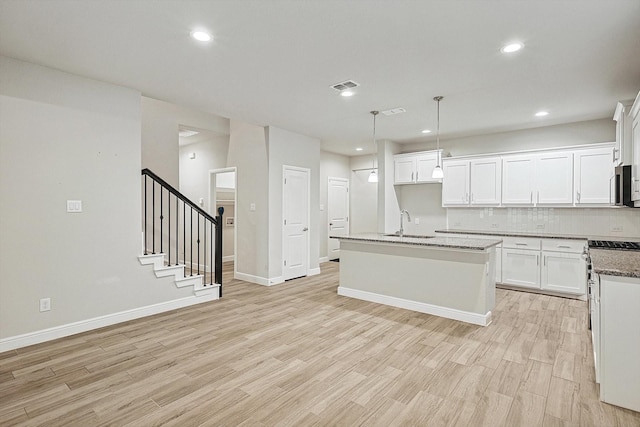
<point>252,207</point>
<point>74,206</point>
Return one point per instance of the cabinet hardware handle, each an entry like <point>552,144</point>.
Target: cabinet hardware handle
<point>521,244</point>
<point>564,246</point>
<point>411,176</point>
<point>417,173</point>
<point>537,259</point>
<point>578,195</point>
<point>538,198</point>
<point>531,197</point>
<point>544,260</point>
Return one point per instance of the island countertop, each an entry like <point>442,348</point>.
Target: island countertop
<point>615,263</point>
<point>436,242</point>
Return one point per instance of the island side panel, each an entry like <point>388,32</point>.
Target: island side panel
<point>455,279</point>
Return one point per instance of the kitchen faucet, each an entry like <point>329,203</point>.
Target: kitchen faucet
<point>402,212</point>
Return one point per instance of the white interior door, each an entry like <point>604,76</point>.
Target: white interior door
<point>337,214</point>
<point>295,210</point>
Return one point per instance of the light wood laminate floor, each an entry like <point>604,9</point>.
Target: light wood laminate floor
<point>298,354</point>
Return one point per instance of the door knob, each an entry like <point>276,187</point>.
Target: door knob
<point>305,229</point>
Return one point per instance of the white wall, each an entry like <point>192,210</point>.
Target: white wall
<point>423,202</point>
<point>67,137</point>
<point>334,166</point>
<point>194,173</point>
<point>291,149</point>
<point>363,200</point>
<point>248,152</point>
<point>160,122</point>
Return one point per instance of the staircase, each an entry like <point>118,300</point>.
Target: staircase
<point>161,269</point>
<point>189,235</point>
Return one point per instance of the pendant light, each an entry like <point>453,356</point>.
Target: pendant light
<point>437,171</point>
<point>373,177</point>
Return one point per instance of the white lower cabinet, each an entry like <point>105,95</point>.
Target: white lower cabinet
<point>521,267</point>
<point>564,272</point>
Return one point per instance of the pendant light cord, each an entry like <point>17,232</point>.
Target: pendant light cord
<point>373,162</point>
<point>438,99</point>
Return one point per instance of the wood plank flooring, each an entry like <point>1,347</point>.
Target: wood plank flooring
<point>298,354</point>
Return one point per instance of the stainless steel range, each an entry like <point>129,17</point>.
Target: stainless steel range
<point>612,244</point>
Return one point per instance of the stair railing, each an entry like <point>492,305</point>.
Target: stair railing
<point>183,209</point>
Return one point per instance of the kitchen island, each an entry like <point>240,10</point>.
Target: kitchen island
<point>445,276</point>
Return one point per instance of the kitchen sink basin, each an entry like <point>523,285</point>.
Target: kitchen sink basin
<point>410,235</point>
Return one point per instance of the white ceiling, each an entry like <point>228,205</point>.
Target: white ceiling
<point>272,62</point>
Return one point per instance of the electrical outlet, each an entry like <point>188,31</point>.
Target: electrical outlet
<point>457,224</point>
<point>494,225</point>
<point>45,304</point>
<point>540,226</point>
<point>616,229</point>
<point>417,221</point>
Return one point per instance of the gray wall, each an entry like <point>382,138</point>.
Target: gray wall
<point>67,137</point>
<point>334,166</point>
<point>291,149</point>
<point>588,132</point>
<point>248,152</point>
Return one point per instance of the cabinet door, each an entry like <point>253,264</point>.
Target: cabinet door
<point>499,264</point>
<point>404,170</point>
<point>593,173</point>
<point>486,181</point>
<point>521,267</point>
<point>564,272</point>
<point>635,169</point>
<point>455,184</point>
<point>517,179</point>
<point>425,163</point>
<point>554,178</point>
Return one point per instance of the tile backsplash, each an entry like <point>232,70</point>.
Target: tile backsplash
<point>615,222</point>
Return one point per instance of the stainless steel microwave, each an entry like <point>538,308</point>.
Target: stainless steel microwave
<point>623,186</point>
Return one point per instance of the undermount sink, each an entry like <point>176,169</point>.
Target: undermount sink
<point>409,235</point>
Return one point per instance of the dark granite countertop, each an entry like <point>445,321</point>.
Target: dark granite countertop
<point>615,262</point>
<point>438,242</point>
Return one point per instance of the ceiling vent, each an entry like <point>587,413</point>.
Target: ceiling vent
<point>393,111</point>
<point>349,84</point>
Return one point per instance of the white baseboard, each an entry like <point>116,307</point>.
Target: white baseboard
<point>257,279</point>
<point>323,259</point>
<point>449,313</point>
<point>56,332</point>
<point>313,271</point>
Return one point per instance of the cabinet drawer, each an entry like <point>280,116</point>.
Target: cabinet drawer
<point>521,243</point>
<point>556,245</point>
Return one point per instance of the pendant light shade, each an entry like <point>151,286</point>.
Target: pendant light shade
<point>373,176</point>
<point>438,173</point>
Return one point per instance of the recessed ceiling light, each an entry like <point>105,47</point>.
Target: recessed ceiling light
<point>202,36</point>
<point>347,93</point>
<point>513,47</point>
<point>542,113</point>
<point>359,149</point>
<point>426,131</point>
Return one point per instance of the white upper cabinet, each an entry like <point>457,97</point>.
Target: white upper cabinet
<point>485,181</point>
<point>455,185</point>
<point>593,175</point>
<point>425,163</point>
<point>415,168</point>
<point>635,143</point>
<point>623,152</point>
<point>554,178</point>
<point>518,175</point>
<point>404,169</point>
